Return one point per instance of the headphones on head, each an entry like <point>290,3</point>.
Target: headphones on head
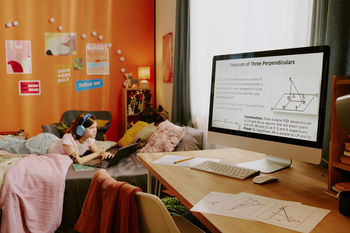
<point>80,128</point>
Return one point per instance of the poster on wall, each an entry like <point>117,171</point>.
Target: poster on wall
<point>60,44</point>
<point>63,75</point>
<point>18,57</point>
<point>97,58</point>
<point>84,85</point>
<point>31,87</point>
<point>168,58</point>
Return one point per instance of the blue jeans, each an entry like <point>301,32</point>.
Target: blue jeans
<point>39,144</point>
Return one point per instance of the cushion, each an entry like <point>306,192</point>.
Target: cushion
<point>192,140</point>
<point>144,134</point>
<point>105,144</point>
<point>101,123</point>
<point>131,133</point>
<point>165,139</point>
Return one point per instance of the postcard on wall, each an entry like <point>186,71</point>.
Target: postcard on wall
<point>78,63</point>
<point>168,58</point>
<point>60,44</point>
<point>18,57</point>
<point>31,87</point>
<point>63,75</point>
<point>97,58</point>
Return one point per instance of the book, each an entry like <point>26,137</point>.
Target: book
<point>343,186</point>
<point>345,159</point>
<point>82,167</point>
<point>347,153</point>
<point>347,146</point>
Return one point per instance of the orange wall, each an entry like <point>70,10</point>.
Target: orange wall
<point>127,24</point>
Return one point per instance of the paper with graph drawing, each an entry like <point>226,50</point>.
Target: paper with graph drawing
<point>291,215</point>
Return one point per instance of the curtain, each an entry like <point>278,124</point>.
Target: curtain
<point>331,26</point>
<point>181,108</point>
<point>235,26</point>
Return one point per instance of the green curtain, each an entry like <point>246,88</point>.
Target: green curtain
<point>331,21</point>
<point>181,108</point>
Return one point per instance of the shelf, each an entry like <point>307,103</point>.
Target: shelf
<point>337,171</point>
<point>136,99</point>
<point>341,166</point>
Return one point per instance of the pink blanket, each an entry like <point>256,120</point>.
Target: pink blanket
<point>32,194</point>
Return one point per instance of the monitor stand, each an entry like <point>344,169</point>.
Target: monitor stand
<point>268,165</point>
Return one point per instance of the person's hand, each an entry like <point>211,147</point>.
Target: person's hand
<point>107,155</point>
<point>102,150</point>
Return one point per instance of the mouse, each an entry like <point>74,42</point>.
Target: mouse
<point>263,179</point>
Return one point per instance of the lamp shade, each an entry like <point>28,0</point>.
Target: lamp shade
<point>144,73</point>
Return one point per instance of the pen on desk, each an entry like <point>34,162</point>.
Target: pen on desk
<point>183,160</point>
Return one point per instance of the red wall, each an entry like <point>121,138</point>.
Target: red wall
<point>127,24</point>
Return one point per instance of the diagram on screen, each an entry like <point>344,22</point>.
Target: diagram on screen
<point>297,101</point>
<point>224,123</point>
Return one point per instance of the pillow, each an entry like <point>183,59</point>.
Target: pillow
<point>105,144</point>
<point>101,123</point>
<point>130,133</point>
<point>165,139</point>
<point>192,140</point>
<point>144,134</point>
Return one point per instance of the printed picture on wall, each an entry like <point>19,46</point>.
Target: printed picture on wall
<point>60,44</point>
<point>97,58</point>
<point>32,87</point>
<point>78,63</point>
<point>168,58</point>
<point>63,75</point>
<point>18,57</point>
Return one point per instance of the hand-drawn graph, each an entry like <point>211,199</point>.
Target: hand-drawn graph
<point>294,100</point>
<point>246,205</point>
<point>288,215</point>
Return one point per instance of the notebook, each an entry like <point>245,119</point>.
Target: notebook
<point>120,155</point>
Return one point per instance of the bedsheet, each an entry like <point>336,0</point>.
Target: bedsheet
<point>32,194</point>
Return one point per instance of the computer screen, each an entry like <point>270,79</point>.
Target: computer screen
<point>271,102</point>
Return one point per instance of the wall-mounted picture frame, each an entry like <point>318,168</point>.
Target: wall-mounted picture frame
<point>168,58</point>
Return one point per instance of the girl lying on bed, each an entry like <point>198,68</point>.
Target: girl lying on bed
<point>75,142</point>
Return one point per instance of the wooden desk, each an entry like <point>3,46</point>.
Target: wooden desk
<point>301,182</point>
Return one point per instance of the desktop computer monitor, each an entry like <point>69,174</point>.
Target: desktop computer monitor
<point>271,102</point>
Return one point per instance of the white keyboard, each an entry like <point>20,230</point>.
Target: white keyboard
<point>232,171</point>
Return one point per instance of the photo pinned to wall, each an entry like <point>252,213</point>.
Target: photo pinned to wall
<point>18,57</point>
<point>168,58</point>
<point>60,44</point>
<point>97,59</point>
<point>78,63</point>
<point>32,87</point>
<point>63,75</point>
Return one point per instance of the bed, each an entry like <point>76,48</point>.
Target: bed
<point>44,193</point>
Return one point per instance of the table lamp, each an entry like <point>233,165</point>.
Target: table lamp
<point>343,111</point>
<point>144,73</point>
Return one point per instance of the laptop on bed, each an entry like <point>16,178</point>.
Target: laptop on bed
<point>120,155</point>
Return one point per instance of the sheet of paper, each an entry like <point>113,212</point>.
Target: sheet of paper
<point>171,159</point>
<point>291,215</point>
